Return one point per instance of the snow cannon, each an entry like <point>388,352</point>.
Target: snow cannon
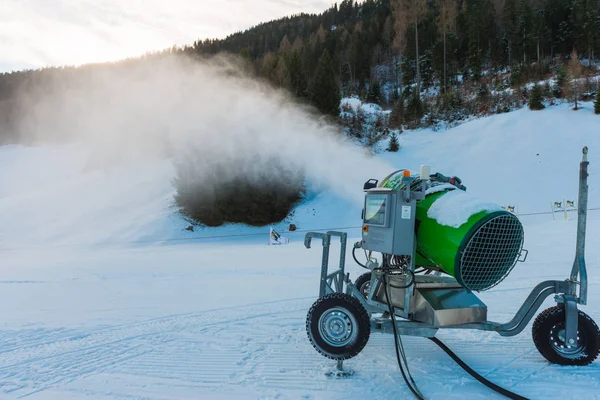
<point>429,246</point>
<point>477,243</point>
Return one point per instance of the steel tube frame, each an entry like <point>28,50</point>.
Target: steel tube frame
<point>566,290</point>
<point>337,278</point>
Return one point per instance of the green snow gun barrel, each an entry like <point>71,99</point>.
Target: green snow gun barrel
<point>477,243</point>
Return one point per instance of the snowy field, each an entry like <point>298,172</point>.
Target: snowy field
<point>98,304</point>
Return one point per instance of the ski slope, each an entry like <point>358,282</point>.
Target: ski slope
<point>104,295</point>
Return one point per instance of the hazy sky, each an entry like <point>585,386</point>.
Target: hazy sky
<point>36,33</point>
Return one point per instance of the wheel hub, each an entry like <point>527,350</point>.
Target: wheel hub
<point>559,342</point>
<point>338,327</point>
<point>364,289</point>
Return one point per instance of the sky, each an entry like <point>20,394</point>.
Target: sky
<point>38,33</point>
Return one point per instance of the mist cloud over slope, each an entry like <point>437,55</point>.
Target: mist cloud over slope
<point>211,112</point>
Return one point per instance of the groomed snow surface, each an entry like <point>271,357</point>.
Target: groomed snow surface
<point>97,305</point>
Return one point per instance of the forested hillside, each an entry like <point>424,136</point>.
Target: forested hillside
<point>469,53</point>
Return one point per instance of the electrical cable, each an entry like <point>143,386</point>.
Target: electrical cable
<point>356,260</point>
<point>411,384</point>
<point>474,374</point>
<point>409,284</point>
<point>401,355</point>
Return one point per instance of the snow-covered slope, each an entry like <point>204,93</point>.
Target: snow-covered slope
<point>523,158</point>
<point>51,196</point>
<point>92,311</point>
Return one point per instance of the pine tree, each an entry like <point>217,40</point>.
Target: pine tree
<point>325,90</point>
<point>374,94</point>
<point>298,81</point>
<point>483,95</point>
<point>547,89</point>
<point>597,102</point>
<point>397,117</point>
<point>561,81</point>
<point>393,145</point>
<point>414,109</point>
<point>535,101</point>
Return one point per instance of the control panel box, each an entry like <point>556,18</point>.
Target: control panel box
<point>388,222</point>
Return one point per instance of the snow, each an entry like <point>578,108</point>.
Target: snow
<point>439,188</point>
<point>456,207</point>
<point>370,110</point>
<point>352,102</point>
<point>104,295</point>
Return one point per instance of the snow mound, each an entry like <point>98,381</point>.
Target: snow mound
<point>456,207</point>
<point>353,106</point>
<point>440,188</point>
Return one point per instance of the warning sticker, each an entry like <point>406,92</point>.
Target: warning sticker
<point>406,211</point>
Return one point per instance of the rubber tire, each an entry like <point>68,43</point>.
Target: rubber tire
<point>549,318</point>
<point>361,280</point>
<point>353,306</point>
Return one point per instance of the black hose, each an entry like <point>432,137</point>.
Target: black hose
<point>409,384</point>
<point>409,284</point>
<point>475,375</point>
<point>412,384</point>
<point>356,260</point>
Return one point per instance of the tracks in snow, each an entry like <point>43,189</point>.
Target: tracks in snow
<point>35,360</point>
<point>256,350</point>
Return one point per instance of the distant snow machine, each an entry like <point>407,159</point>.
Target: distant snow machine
<point>437,248</point>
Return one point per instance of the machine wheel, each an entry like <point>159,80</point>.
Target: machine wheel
<point>363,284</point>
<point>549,337</point>
<point>338,326</point>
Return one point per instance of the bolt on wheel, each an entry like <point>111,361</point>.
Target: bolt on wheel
<point>338,326</point>
<point>363,284</point>
<point>549,336</point>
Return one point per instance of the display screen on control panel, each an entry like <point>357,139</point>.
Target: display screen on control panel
<point>376,209</point>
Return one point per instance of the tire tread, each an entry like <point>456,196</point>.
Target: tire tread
<point>361,315</point>
<point>541,341</point>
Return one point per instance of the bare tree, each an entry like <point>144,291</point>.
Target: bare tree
<point>298,44</point>
<point>285,45</point>
<point>406,13</point>
<point>282,74</point>
<point>388,35</point>
<point>447,22</point>
<point>575,70</point>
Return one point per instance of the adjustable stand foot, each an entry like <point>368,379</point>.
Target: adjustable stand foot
<point>340,371</point>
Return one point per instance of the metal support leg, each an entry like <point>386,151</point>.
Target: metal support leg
<point>571,323</point>
<point>579,272</point>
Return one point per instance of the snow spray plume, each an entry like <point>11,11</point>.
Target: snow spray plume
<point>211,110</point>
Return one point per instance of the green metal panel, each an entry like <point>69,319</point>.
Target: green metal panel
<point>438,244</point>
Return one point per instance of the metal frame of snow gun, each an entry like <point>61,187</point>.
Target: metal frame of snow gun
<point>340,321</point>
<point>337,278</point>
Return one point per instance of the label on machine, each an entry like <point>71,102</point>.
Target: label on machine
<point>406,212</point>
